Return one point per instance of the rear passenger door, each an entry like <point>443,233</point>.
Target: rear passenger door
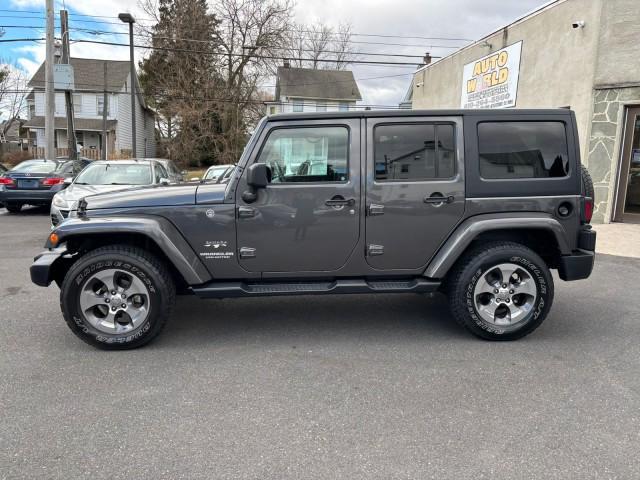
<point>414,188</point>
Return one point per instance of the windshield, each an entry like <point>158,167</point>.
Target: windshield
<point>113,174</point>
<point>35,166</point>
<point>215,172</point>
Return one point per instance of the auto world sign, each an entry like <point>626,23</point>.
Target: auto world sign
<point>492,81</point>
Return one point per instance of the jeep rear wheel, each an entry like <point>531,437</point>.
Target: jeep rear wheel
<point>500,291</point>
<point>117,297</point>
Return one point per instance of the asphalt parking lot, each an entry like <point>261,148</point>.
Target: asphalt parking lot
<point>347,387</point>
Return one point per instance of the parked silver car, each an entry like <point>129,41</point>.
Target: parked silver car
<point>106,176</point>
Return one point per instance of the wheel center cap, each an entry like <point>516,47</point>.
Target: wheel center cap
<point>503,295</point>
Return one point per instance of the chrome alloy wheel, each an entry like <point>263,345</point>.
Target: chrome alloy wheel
<point>505,294</point>
<point>114,301</point>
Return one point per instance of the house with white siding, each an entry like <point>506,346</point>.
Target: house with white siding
<point>312,90</point>
<point>88,105</point>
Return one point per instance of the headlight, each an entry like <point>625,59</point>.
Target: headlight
<point>59,202</point>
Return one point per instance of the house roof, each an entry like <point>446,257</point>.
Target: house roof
<point>89,74</point>
<point>79,123</point>
<point>319,84</point>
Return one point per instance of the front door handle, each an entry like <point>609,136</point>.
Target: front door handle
<point>438,199</point>
<point>340,201</point>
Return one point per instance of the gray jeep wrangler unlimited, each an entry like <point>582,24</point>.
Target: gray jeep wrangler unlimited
<point>478,204</point>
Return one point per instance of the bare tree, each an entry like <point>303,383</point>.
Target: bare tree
<point>13,92</point>
<point>319,46</point>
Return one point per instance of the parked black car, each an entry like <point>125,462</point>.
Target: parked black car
<point>34,182</point>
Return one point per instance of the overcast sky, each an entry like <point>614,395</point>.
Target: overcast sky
<point>465,19</point>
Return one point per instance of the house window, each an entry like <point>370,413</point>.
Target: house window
<point>77,104</point>
<point>32,110</point>
<point>343,107</point>
<point>321,108</point>
<point>100,101</point>
<point>272,110</point>
<point>298,106</point>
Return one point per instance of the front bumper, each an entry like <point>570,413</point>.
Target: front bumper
<point>43,265</point>
<point>31,197</point>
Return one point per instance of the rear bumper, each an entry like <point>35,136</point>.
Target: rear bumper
<point>41,269</point>
<point>32,197</point>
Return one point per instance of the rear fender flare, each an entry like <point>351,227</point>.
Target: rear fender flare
<point>469,229</point>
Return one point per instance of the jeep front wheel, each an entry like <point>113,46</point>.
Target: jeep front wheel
<point>117,297</point>
<point>500,291</point>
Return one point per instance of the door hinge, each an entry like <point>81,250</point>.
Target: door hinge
<point>247,252</point>
<point>374,250</point>
<point>375,209</point>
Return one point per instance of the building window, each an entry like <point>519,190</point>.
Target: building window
<point>77,104</point>
<point>100,103</point>
<point>309,154</point>
<point>321,108</point>
<point>414,152</point>
<point>343,107</point>
<point>522,150</point>
<point>32,110</point>
<point>272,110</point>
<point>298,106</point>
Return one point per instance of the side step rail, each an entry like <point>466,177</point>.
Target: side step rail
<point>342,286</point>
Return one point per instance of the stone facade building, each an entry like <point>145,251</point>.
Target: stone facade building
<point>578,54</point>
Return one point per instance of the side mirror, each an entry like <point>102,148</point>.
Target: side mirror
<point>164,181</point>
<point>68,181</point>
<point>258,175</point>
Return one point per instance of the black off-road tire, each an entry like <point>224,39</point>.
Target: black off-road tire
<point>587,182</point>
<point>135,261</point>
<point>479,260</point>
<point>13,207</point>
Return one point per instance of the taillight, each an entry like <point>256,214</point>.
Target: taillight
<point>7,181</point>
<point>52,181</point>
<point>587,209</point>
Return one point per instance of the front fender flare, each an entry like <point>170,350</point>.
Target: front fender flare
<point>158,229</point>
<point>469,229</point>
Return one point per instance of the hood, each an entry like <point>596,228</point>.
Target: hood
<point>75,192</point>
<point>148,196</point>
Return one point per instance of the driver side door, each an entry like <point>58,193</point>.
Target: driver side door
<point>307,218</point>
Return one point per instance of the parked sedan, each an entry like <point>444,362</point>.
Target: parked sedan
<point>106,176</point>
<point>32,182</point>
<point>216,173</point>
<point>175,175</point>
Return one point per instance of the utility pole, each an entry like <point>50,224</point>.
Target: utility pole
<point>72,144</point>
<point>50,95</point>
<point>105,105</point>
<point>128,18</point>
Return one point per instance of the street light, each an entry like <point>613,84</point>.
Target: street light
<point>128,18</point>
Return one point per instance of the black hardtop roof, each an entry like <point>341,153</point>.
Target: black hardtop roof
<point>418,113</point>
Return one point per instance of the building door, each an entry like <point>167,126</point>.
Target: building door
<point>627,207</point>
<point>415,188</point>
<point>307,218</point>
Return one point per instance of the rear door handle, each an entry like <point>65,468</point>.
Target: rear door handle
<point>439,199</point>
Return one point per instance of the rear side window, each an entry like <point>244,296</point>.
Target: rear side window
<point>414,152</point>
<point>511,150</point>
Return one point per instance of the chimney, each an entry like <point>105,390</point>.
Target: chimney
<point>426,60</point>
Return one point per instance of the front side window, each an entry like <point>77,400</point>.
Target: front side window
<point>510,150</point>
<point>414,152</point>
<point>308,154</point>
